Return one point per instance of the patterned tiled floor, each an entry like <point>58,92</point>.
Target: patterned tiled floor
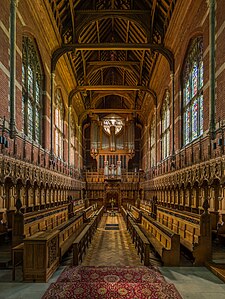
<point>112,247</point>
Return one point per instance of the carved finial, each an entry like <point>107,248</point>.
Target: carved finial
<point>205,206</point>
<point>18,205</point>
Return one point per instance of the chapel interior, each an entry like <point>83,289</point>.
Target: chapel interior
<point>112,120</point>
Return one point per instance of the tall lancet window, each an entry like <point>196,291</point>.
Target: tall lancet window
<point>58,125</point>
<point>166,125</point>
<point>152,142</point>
<point>32,84</point>
<point>72,141</point>
<point>192,78</point>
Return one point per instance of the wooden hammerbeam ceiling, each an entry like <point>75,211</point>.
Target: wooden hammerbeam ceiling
<point>109,46</point>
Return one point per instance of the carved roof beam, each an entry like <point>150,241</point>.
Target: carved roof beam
<point>84,66</point>
<point>77,2</point>
<point>72,13</point>
<point>102,77</point>
<point>139,18</point>
<point>129,96</point>
<point>169,13</point>
<point>127,40</point>
<point>113,12</point>
<point>57,16</point>
<point>109,46</point>
<point>112,63</point>
<point>112,89</point>
<point>107,111</point>
<point>98,38</point>
<point>115,111</point>
<point>154,3</point>
<point>141,66</point>
<point>117,64</point>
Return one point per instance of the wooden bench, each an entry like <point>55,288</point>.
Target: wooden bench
<point>98,214</point>
<point>194,231</point>
<point>17,258</point>
<point>164,241</point>
<point>70,230</point>
<point>139,239</point>
<point>66,234</point>
<point>81,243</point>
<point>42,252</point>
<point>146,208</point>
<point>89,212</point>
<point>124,214</point>
<point>41,256</point>
<point>135,212</point>
<point>3,222</point>
<point>76,207</point>
<point>28,224</point>
<point>149,207</point>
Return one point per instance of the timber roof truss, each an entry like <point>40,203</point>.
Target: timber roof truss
<point>99,38</point>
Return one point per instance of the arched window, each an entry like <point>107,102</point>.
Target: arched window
<point>58,125</point>
<point>72,141</point>
<point>192,78</point>
<point>32,82</point>
<point>166,126</point>
<point>152,141</point>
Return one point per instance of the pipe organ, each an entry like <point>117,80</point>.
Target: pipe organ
<point>112,142</point>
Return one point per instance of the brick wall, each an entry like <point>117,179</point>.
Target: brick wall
<point>187,22</point>
<point>33,20</point>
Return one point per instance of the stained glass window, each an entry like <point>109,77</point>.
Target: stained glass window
<point>192,92</point>
<point>152,142</point>
<point>58,125</point>
<point>166,126</point>
<point>32,82</point>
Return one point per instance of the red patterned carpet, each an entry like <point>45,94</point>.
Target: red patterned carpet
<point>111,283</point>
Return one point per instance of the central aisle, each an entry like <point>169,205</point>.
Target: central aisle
<point>111,270</point>
<point>112,245</point>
